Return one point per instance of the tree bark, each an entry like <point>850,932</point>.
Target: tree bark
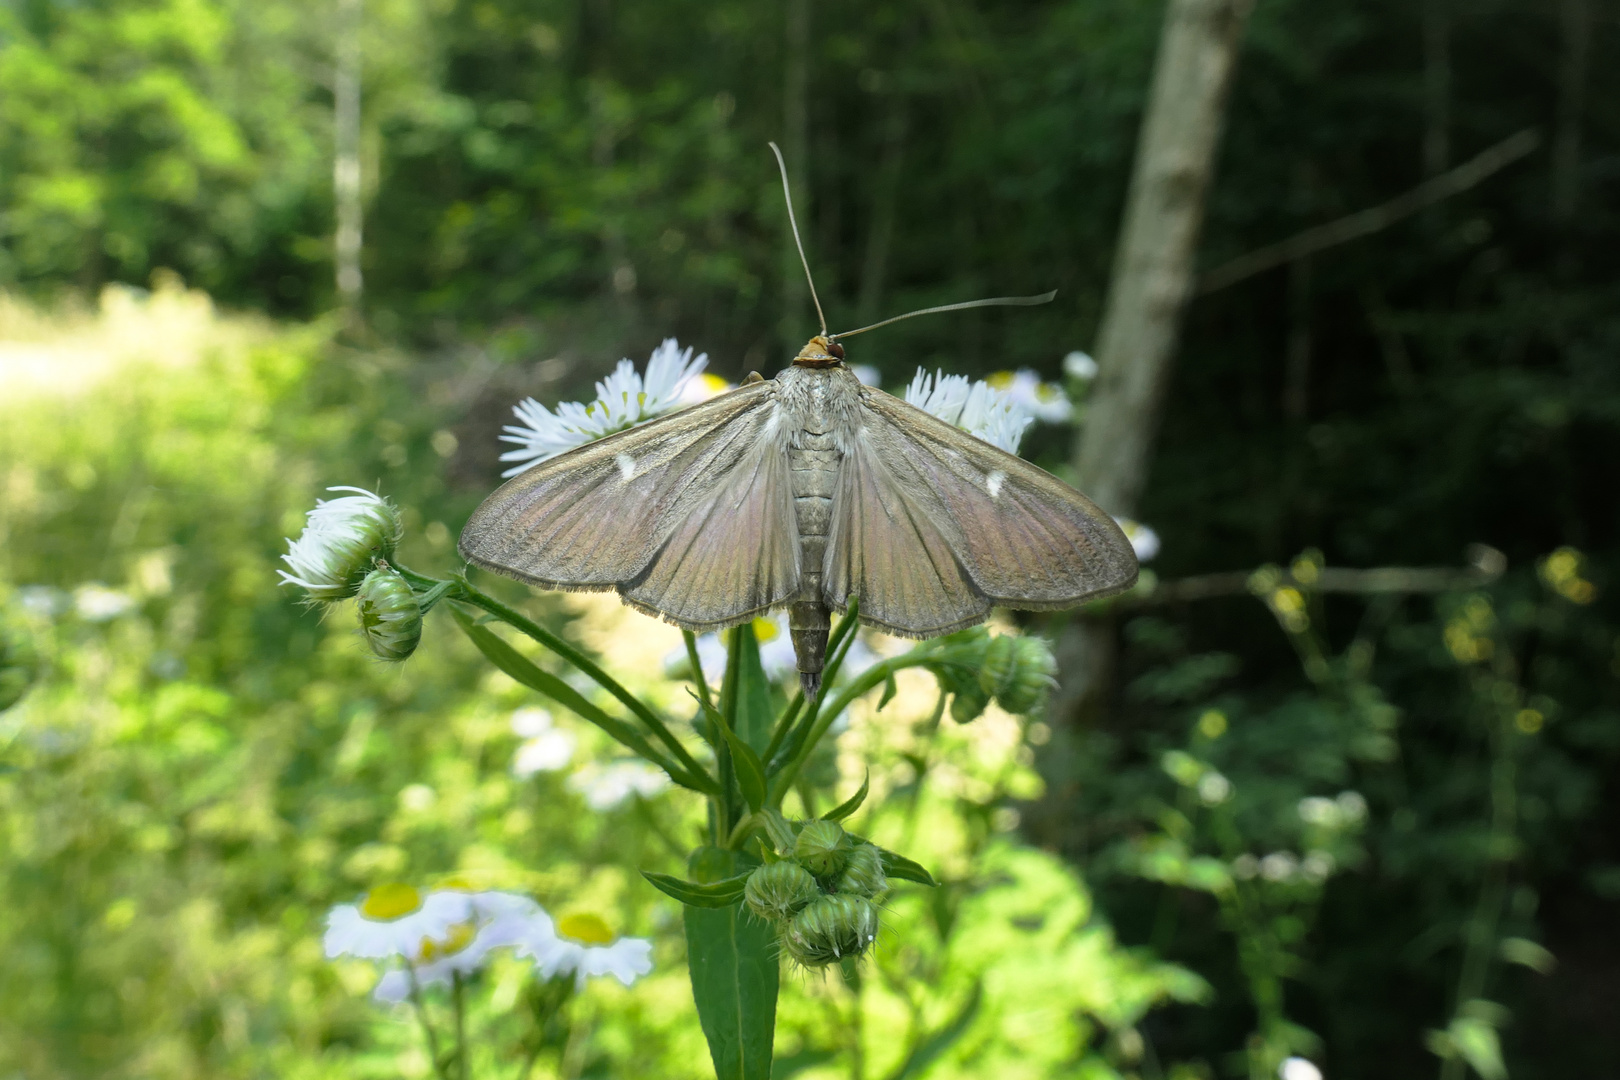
<point>1153,265</point>
<point>346,194</point>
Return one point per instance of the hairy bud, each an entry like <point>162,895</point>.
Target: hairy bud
<point>390,617</point>
<point>822,848</point>
<point>997,669</point>
<point>780,890</point>
<point>968,703</point>
<point>830,929</point>
<point>863,873</point>
<point>1032,676</point>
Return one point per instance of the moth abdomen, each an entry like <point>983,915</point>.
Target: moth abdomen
<point>809,623</point>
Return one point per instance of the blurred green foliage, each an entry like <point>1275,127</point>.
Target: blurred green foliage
<point>553,185</point>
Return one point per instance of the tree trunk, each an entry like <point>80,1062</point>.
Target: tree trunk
<point>1153,276</point>
<point>795,328</point>
<point>1153,266</point>
<point>1577,36</point>
<point>346,195</point>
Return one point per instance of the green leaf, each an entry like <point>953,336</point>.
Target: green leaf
<point>1518,950</point>
<point>853,803</point>
<point>714,895</point>
<point>890,688</point>
<point>733,960</point>
<point>524,671</point>
<point>898,866</point>
<point>755,714</point>
<point>750,772</point>
<point>1479,1045</point>
<point>781,831</point>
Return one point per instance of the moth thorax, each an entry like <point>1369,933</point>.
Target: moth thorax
<point>819,352</point>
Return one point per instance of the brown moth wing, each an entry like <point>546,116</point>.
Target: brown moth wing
<point>695,487</point>
<point>1018,536</point>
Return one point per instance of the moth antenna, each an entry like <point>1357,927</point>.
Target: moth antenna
<point>995,301</point>
<point>787,193</point>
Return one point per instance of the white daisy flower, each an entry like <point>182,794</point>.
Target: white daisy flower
<point>544,747</point>
<point>498,920</point>
<point>97,603</point>
<point>394,920</point>
<point>623,399</point>
<point>607,786</point>
<point>340,542</point>
<point>1298,1068</point>
<point>1046,402</point>
<point>1079,365</point>
<point>977,408</point>
<point>702,388</point>
<point>1144,541</point>
<point>582,944</point>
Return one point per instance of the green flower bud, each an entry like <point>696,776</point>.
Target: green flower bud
<point>997,669</point>
<point>822,848</point>
<point>968,703</point>
<point>390,617</point>
<point>1032,678</point>
<point>341,542</point>
<point>830,929</point>
<point>780,890</point>
<point>863,873</point>
<point>19,665</point>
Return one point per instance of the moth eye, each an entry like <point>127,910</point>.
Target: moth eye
<point>836,349</point>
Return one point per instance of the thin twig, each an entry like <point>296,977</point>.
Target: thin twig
<point>1365,222</point>
<point>1331,579</point>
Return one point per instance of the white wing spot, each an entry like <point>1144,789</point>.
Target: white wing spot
<point>627,465</point>
<point>994,481</point>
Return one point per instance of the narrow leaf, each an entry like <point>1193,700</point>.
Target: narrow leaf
<point>889,690</point>
<point>1518,950</point>
<point>753,713</point>
<point>750,773</point>
<point>733,960</point>
<point>524,671</point>
<point>853,803</point>
<point>717,895</point>
<point>898,866</point>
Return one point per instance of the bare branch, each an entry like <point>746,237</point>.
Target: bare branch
<point>1365,222</point>
<point>1486,566</point>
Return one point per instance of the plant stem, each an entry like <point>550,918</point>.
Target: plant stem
<point>427,1028</point>
<point>697,668</point>
<point>846,627</point>
<point>458,999</point>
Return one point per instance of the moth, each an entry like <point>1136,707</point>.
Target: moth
<point>804,491</point>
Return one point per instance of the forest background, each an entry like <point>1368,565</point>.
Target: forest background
<point>530,190</point>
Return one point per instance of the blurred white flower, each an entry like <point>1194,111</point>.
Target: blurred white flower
<point>623,399</point>
<point>544,748</point>
<point>42,600</point>
<point>97,603</point>
<point>393,920</point>
<point>340,542</point>
<point>776,654</point>
<point>498,920</point>
<point>1279,866</point>
<point>977,408</point>
<point>1144,541</point>
<point>869,375</point>
<point>1317,866</point>
<point>702,388</point>
<point>1245,867</point>
<point>1316,810</point>
<point>1079,365</point>
<point>1298,1068</point>
<point>1214,789</point>
<point>1352,806</point>
<point>582,944</point>
<point>1046,402</point>
<point>606,786</point>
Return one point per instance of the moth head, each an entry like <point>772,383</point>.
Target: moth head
<point>819,351</point>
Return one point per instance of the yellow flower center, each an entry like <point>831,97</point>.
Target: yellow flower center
<point>460,936</point>
<point>765,630</point>
<point>585,928</point>
<point>391,901</point>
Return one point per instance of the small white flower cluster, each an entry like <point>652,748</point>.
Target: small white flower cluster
<point>454,931</point>
<point>1348,810</point>
<point>623,399</point>
<point>976,407</point>
<point>544,749</point>
<point>1044,401</point>
<point>607,786</point>
<point>1284,867</point>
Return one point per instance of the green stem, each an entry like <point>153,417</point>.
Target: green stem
<point>458,999</point>
<point>869,679</point>
<point>465,591</point>
<point>427,1028</point>
<point>697,668</point>
<point>846,626</point>
<point>803,726</point>
<point>726,714</point>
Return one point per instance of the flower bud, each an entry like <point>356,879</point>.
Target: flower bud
<point>780,890</point>
<point>390,617</point>
<point>341,541</point>
<point>998,667</point>
<point>19,665</point>
<point>863,873</point>
<point>822,848</point>
<point>830,929</point>
<point>968,703</point>
<point>1032,679</point>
